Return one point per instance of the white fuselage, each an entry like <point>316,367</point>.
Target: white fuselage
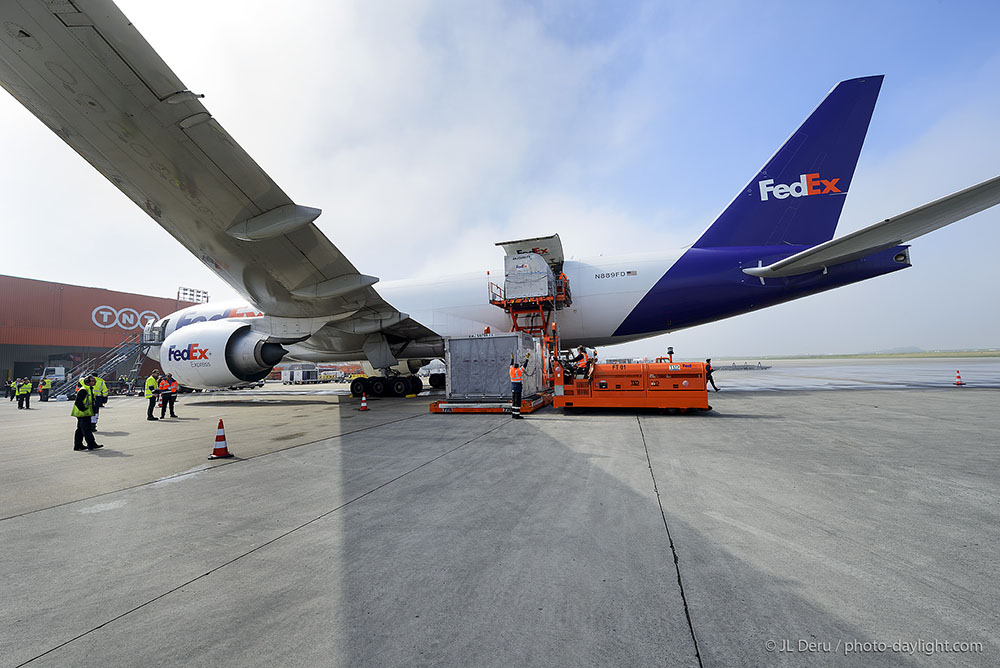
<point>604,291</point>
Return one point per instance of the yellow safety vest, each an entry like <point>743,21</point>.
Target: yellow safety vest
<point>88,401</point>
<point>150,386</point>
<point>24,389</point>
<point>101,388</point>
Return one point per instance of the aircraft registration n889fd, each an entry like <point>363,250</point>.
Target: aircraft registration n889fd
<point>96,82</point>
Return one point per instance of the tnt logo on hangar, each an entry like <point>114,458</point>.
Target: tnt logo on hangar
<point>107,317</point>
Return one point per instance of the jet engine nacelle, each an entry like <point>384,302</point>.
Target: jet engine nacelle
<point>218,354</point>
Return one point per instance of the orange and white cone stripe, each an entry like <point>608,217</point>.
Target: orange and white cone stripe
<point>364,402</point>
<point>221,451</point>
<point>958,378</point>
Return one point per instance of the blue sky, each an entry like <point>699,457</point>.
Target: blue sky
<point>427,131</point>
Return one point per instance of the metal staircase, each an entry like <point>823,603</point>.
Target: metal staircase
<point>132,347</point>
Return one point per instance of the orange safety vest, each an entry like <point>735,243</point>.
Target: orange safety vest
<point>583,363</point>
<point>515,374</point>
<point>174,387</point>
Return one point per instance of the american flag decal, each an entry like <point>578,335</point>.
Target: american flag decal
<point>631,273</point>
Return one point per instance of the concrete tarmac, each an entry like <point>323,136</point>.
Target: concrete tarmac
<point>793,528</point>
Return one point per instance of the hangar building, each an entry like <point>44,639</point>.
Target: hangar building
<point>55,324</point>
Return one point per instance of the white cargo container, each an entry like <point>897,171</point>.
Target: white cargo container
<point>527,275</point>
<point>478,367</point>
<point>299,374</point>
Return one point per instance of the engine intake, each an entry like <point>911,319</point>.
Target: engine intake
<point>218,353</point>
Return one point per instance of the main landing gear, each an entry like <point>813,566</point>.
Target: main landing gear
<point>392,386</point>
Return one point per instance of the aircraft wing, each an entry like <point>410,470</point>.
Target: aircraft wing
<point>890,232</point>
<point>84,70</point>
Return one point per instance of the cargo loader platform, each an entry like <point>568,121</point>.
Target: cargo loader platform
<point>529,405</point>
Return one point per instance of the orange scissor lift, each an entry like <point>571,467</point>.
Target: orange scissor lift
<point>532,315</point>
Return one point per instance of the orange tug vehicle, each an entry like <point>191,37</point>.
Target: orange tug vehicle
<point>664,385</point>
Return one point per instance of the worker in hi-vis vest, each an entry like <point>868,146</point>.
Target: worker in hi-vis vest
<point>45,387</point>
<point>24,394</point>
<point>83,411</point>
<point>581,360</point>
<point>516,385</point>
<point>152,390</point>
<point>168,395</point>
<point>100,392</point>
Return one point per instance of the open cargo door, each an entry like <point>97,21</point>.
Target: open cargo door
<point>549,247</point>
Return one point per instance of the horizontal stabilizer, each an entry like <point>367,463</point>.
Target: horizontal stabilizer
<point>890,232</point>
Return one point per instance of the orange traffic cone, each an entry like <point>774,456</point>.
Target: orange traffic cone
<point>220,451</point>
<point>958,378</point>
<point>364,402</point>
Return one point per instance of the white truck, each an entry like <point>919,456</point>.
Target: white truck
<point>56,373</point>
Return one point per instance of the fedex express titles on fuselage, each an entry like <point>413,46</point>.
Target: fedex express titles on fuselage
<point>191,315</point>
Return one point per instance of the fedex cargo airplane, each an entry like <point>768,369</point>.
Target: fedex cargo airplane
<point>84,70</point>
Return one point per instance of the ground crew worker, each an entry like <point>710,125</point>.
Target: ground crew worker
<point>162,384</point>
<point>83,411</point>
<point>168,395</point>
<point>11,387</point>
<point>581,360</point>
<point>151,392</point>
<point>24,394</point>
<point>45,388</point>
<point>516,376</point>
<point>100,392</point>
<point>708,373</point>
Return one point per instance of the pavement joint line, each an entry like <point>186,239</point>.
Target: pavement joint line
<point>268,543</point>
<point>212,468</point>
<point>673,549</point>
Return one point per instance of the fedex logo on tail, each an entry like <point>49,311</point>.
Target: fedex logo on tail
<point>192,352</point>
<point>808,184</point>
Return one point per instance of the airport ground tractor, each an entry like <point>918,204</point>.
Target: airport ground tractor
<point>662,385</point>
